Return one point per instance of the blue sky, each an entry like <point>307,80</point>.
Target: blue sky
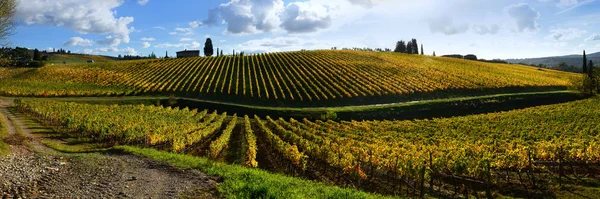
<point>489,29</point>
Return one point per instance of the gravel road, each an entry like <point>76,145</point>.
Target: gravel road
<point>33,170</point>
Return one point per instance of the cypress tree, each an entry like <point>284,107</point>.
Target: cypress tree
<point>591,69</point>
<point>208,48</point>
<point>415,47</point>
<point>408,47</point>
<point>397,49</point>
<point>434,53</point>
<point>37,56</point>
<point>585,63</point>
<point>422,51</point>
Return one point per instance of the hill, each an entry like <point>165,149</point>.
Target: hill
<point>78,59</point>
<point>552,62</point>
<point>303,78</point>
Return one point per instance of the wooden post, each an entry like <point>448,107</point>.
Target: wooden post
<point>531,167</point>
<point>430,173</point>
<point>422,191</point>
<point>560,167</point>
<point>488,193</point>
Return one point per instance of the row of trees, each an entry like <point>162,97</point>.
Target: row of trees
<point>410,47</point>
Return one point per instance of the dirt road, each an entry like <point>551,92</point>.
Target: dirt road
<point>33,170</point>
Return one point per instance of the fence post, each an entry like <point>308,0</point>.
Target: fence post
<point>560,167</point>
<point>430,173</point>
<point>488,180</point>
<point>531,167</point>
<point>423,179</point>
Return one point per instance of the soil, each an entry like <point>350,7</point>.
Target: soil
<point>33,170</point>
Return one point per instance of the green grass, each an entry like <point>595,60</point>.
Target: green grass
<point>4,148</point>
<point>242,182</point>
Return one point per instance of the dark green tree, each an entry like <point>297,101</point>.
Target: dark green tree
<point>221,52</point>
<point>208,48</point>
<point>590,69</point>
<point>422,51</point>
<point>408,47</point>
<point>167,54</point>
<point>400,47</point>
<point>37,56</point>
<point>585,67</point>
<point>414,47</point>
<point>218,52</point>
<point>434,53</point>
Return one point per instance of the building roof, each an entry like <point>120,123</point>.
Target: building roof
<point>193,51</point>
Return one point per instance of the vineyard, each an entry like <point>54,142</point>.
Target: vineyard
<point>451,156</point>
<point>297,78</point>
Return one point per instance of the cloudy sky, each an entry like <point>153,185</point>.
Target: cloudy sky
<point>488,28</point>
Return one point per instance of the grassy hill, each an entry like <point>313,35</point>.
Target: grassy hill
<point>78,59</point>
<point>303,78</point>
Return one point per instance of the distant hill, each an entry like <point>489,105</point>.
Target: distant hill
<point>79,58</point>
<point>553,62</point>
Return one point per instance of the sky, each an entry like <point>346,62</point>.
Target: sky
<point>488,28</point>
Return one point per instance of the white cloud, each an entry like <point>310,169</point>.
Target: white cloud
<point>593,37</point>
<point>446,25</point>
<point>525,16</point>
<point>249,16</point>
<point>281,44</point>
<point>186,39</point>
<point>564,34</point>
<point>145,45</point>
<point>482,29</point>
<point>78,41</point>
<point>191,45</point>
<point>182,31</point>
<point>148,39</point>
<point>305,17</point>
<point>568,5</point>
<point>85,16</point>
<point>142,2</point>
<point>99,51</point>
<point>213,15</point>
<point>364,3</point>
<point>159,27</point>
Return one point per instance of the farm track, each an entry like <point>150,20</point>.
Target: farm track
<point>33,170</point>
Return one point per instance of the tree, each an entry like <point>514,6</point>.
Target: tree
<point>167,54</point>
<point>585,63</point>
<point>221,52</point>
<point>400,47</point>
<point>408,47</point>
<point>434,53</point>
<point>208,48</point>
<point>470,57</point>
<point>7,22</point>
<point>422,51</point>
<point>591,69</point>
<point>218,52</point>
<point>414,47</point>
<point>37,56</point>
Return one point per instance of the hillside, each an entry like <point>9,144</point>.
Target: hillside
<point>307,78</point>
<point>78,59</point>
<point>571,60</point>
